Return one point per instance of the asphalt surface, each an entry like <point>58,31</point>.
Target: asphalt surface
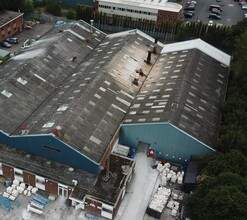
<point>231,12</point>
<point>38,29</point>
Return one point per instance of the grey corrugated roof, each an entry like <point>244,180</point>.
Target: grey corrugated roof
<point>87,98</point>
<point>185,89</point>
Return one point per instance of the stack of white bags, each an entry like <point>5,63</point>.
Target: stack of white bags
<point>160,199</point>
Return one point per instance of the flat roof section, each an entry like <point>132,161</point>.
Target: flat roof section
<point>7,16</point>
<point>88,184</point>
<point>4,53</point>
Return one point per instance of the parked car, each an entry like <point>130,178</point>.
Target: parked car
<point>190,8</point>
<point>244,7</point>
<point>210,23</point>
<point>12,40</point>
<point>192,12</point>
<point>191,2</point>
<point>188,15</point>
<point>215,11</point>
<point>215,6</point>
<point>245,15</point>
<point>214,16</point>
<point>5,44</point>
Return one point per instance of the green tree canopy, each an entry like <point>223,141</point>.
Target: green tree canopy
<point>234,162</point>
<point>54,7</point>
<point>70,14</point>
<point>79,12</point>
<point>221,197</point>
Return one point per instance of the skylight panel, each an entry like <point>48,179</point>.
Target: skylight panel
<point>22,81</point>
<point>6,93</point>
<point>62,108</point>
<point>39,77</point>
<point>48,124</point>
<point>95,140</point>
<point>142,119</point>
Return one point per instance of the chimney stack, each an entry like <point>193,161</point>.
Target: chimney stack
<point>155,46</point>
<point>91,22</point>
<point>149,57</point>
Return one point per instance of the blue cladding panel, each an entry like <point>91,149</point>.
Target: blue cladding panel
<point>73,3</point>
<point>164,139</point>
<point>50,147</point>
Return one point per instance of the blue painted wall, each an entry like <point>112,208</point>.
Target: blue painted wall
<point>73,3</point>
<point>50,147</point>
<point>168,142</point>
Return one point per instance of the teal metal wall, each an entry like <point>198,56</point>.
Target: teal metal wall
<point>50,147</point>
<point>169,142</point>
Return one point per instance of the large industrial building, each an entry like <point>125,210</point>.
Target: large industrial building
<point>155,10</point>
<point>70,99</point>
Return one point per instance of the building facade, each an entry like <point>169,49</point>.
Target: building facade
<point>10,24</point>
<point>141,9</point>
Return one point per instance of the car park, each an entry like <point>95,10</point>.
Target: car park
<point>12,40</point>
<point>5,44</point>
<point>214,16</point>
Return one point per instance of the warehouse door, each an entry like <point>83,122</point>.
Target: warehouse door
<point>143,147</point>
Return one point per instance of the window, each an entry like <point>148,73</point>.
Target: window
<point>52,149</point>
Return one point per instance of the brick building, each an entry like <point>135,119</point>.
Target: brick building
<point>11,22</point>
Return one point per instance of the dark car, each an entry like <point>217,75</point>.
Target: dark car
<point>214,16</point>
<point>190,8</point>
<point>12,40</point>
<point>188,15</point>
<point>216,11</point>
<point>192,12</point>
<point>5,44</point>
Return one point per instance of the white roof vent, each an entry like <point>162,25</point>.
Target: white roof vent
<point>74,182</point>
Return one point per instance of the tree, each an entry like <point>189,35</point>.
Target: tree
<point>70,14</point>
<point>53,7</point>
<point>79,12</point>
<point>87,14</point>
<point>28,6</point>
<point>220,197</point>
<point>234,162</point>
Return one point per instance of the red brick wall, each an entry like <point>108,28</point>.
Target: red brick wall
<point>8,172</point>
<point>168,16</point>
<point>29,178</point>
<point>51,187</point>
<point>11,28</point>
<point>109,148</point>
<point>93,206</point>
